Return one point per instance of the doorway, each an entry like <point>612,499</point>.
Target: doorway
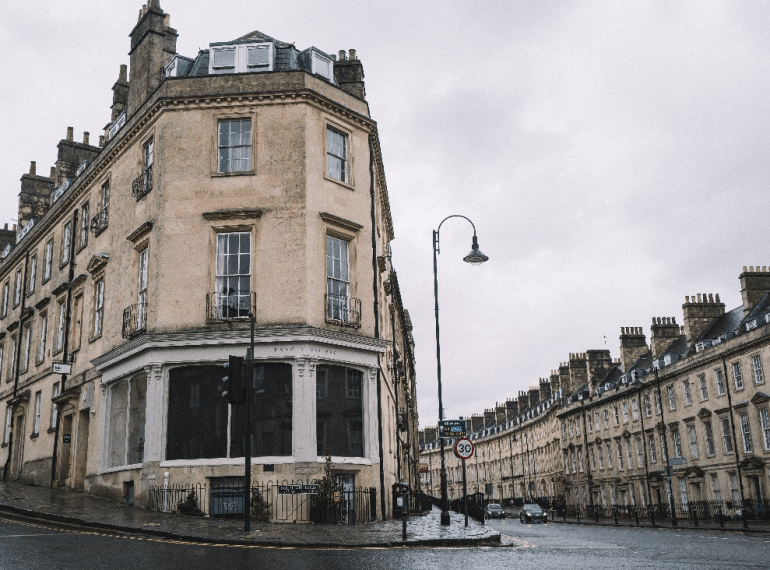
<point>757,487</point>
<point>347,484</point>
<point>66,449</point>
<point>17,461</point>
<point>81,450</point>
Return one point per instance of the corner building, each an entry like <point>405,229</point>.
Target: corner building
<point>245,179</point>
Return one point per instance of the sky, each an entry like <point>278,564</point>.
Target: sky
<point>613,156</point>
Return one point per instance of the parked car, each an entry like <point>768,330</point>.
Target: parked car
<point>532,513</point>
<point>494,511</point>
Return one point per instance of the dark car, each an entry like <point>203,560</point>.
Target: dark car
<point>495,511</point>
<point>532,513</point>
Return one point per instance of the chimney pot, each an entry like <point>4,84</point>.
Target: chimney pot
<point>85,137</point>
<point>352,55</point>
<point>14,227</point>
<point>53,172</point>
<point>32,167</point>
<point>342,55</point>
<point>69,133</point>
<point>123,75</point>
<point>6,226</point>
<point>101,140</point>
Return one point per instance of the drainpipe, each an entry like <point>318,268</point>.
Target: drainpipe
<point>395,390</point>
<point>644,447</point>
<point>17,357</point>
<point>377,323</point>
<point>669,473</point>
<point>65,354</point>
<point>735,442</point>
<point>590,476</point>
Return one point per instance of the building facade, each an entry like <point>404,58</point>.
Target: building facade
<point>246,180</point>
<point>676,422</point>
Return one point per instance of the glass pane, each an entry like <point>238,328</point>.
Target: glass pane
<point>245,243</point>
<point>244,264</point>
<point>232,264</point>
<point>224,58</point>
<point>232,245</point>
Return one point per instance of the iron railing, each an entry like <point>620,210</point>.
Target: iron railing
<point>99,221</point>
<point>476,506</point>
<point>230,305</point>
<point>134,320</point>
<point>343,310</point>
<point>142,184</point>
<point>267,505</point>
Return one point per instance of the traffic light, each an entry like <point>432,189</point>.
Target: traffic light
<point>233,387</point>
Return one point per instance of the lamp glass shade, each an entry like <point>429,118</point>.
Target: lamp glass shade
<point>475,257</point>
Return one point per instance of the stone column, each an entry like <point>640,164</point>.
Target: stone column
<point>104,439</point>
<point>155,413</point>
<point>304,410</point>
<point>371,441</point>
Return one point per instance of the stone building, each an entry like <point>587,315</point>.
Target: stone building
<point>605,432</point>
<point>246,179</point>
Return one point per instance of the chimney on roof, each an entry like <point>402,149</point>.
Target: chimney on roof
<point>69,133</point>
<point>32,168</point>
<point>501,413</point>
<point>663,332</point>
<point>153,44</point>
<point>755,284</point>
<point>545,389</point>
<point>512,406</point>
<point>598,364</point>
<point>633,344</point>
<point>555,384</point>
<point>349,74</point>
<point>477,422</point>
<point>341,55</point>
<point>578,371</point>
<point>534,395</point>
<point>564,378</point>
<point>34,197</point>
<point>489,418</point>
<point>101,141</point>
<point>86,135</point>
<point>699,313</point>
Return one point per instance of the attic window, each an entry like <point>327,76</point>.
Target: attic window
<point>767,318</point>
<point>752,324</point>
<point>119,122</point>
<point>667,360</point>
<point>322,66</point>
<point>242,58</point>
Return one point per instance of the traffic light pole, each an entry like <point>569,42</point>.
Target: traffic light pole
<point>247,433</point>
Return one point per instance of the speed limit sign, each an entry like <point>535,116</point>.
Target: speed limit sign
<point>464,448</point>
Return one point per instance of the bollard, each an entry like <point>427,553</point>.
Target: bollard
<point>596,515</point>
<point>721,519</point>
<point>636,515</point>
<point>695,515</point>
<point>577,511</point>
<point>564,513</point>
<point>615,514</point>
<point>652,515</point>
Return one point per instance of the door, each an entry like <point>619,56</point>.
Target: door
<point>347,484</point>
<point>66,449</point>
<point>18,446</point>
<point>81,453</point>
<point>757,487</point>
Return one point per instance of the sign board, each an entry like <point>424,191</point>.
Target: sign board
<point>337,496</point>
<point>62,368</point>
<point>677,461</point>
<point>66,438</point>
<point>452,428</point>
<point>298,489</point>
<point>464,448</point>
<point>423,468</point>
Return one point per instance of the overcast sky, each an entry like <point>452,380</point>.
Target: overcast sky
<point>612,155</point>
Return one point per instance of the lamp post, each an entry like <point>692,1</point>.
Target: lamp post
<point>475,257</point>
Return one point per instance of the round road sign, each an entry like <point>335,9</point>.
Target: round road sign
<point>464,448</point>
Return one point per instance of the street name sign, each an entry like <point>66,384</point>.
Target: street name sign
<point>298,489</point>
<point>62,368</point>
<point>464,448</point>
<point>452,428</point>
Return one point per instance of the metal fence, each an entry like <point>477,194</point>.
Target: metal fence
<point>226,500</point>
<point>476,506</point>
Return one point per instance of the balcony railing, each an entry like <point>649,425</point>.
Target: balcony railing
<point>230,305</point>
<point>343,310</point>
<point>134,320</point>
<point>99,221</point>
<point>142,184</point>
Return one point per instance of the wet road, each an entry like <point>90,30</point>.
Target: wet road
<point>542,546</point>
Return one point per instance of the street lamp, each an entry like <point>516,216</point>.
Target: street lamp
<point>475,257</point>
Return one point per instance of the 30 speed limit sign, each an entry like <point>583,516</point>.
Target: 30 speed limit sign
<point>464,448</point>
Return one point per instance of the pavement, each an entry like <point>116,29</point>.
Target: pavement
<point>73,509</point>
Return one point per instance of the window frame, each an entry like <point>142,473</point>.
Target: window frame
<point>764,425</point>
<point>97,321</point>
<point>32,273</point>
<point>55,391</point>
<point>84,221</point>
<point>224,279</point>
<point>6,298</point>
<point>27,340</point>
<point>48,267</point>
<point>241,58</point>
<point>219,119</point>
<point>40,353</point>
<point>719,381</point>
<point>687,393</point>
<point>757,373</point>
<point>737,375</point>
<point>61,305</point>
<point>708,429</point>
<point>694,453</point>
<point>64,258</point>
<point>17,287</point>
<point>748,444</point>
<point>727,441</point>
<point>36,422</point>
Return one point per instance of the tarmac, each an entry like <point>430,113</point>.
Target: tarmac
<point>78,511</point>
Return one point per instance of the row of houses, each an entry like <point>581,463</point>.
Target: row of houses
<point>243,182</point>
<point>680,419</point>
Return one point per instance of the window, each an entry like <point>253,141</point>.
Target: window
<point>677,441</point>
<point>65,244</point>
<point>60,328</point>
<point>663,447</point>
<point>606,419</point>
<point>99,308</point>
<point>5,298</point>
<point>647,410</point>
<point>687,393</point>
<point>248,58</point>
<point>726,439</point>
<point>322,66</point>
<point>737,377</point>
<point>671,400</point>
<point>639,453</point>
<point>756,370</point>
<point>36,423</point>
<point>83,226</point>
<point>27,346</point>
<point>625,412</point>
<point>593,457</point>
<point>572,456</point>
<point>693,442</point>
<point>339,416</point>
<point>48,260</point>
<point>764,419</point>
<point>321,385</point>
<point>7,432</point>
<point>337,280</point>
<point>601,456</point>
<point>683,494</point>
<point>43,332</point>
<point>720,381</point>
<point>658,408</point>
<point>127,404</point>
<point>571,432</point>
<point>566,462</point>
<point>99,222</point>
<point>620,455</point>
<point>54,409</point>
<point>234,145</point>
<point>580,459</point>
<point>141,298</point>
<point>76,321</point>
<point>32,273</point>
<point>353,383</point>
<point>715,487</point>
<point>577,427</point>
<point>709,438</point>
<point>748,447</point>
<point>17,288</point>
<point>2,350</point>
<point>704,391</point>
<point>336,155</point>
<point>13,358</point>
<point>653,456</point>
<point>233,275</point>
<point>635,409</point>
<point>609,456</point>
<point>734,490</point>
<point>564,430</point>
<point>589,426</point>
<point>596,420</point>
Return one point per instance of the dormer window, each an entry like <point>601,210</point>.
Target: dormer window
<point>245,58</point>
<point>115,127</point>
<point>752,324</point>
<point>322,66</point>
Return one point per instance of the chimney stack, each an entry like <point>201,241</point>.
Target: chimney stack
<point>85,137</point>
<point>32,168</point>
<point>755,284</point>
<point>633,344</point>
<point>349,74</point>
<point>598,364</point>
<point>578,371</point>
<point>69,133</point>
<point>663,332</point>
<point>699,313</point>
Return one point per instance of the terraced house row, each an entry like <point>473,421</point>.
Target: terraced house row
<point>679,421</point>
<point>245,180</point>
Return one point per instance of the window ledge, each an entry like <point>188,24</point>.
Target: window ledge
<point>239,173</point>
<point>339,182</point>
<point>4,445</point>
<point>57,351</point>
<point>34,435</point>
<point>51,430</point>
<point>94,338</point>
<point>122,468</point>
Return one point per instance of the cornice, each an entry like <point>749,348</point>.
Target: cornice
<point>240,214</point>
<point>340,222</point>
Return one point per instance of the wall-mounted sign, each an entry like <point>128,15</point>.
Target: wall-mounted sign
<point>452,428</point>
<point>62,368</point>
<point>298,489</point>
<point>66,438</point>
